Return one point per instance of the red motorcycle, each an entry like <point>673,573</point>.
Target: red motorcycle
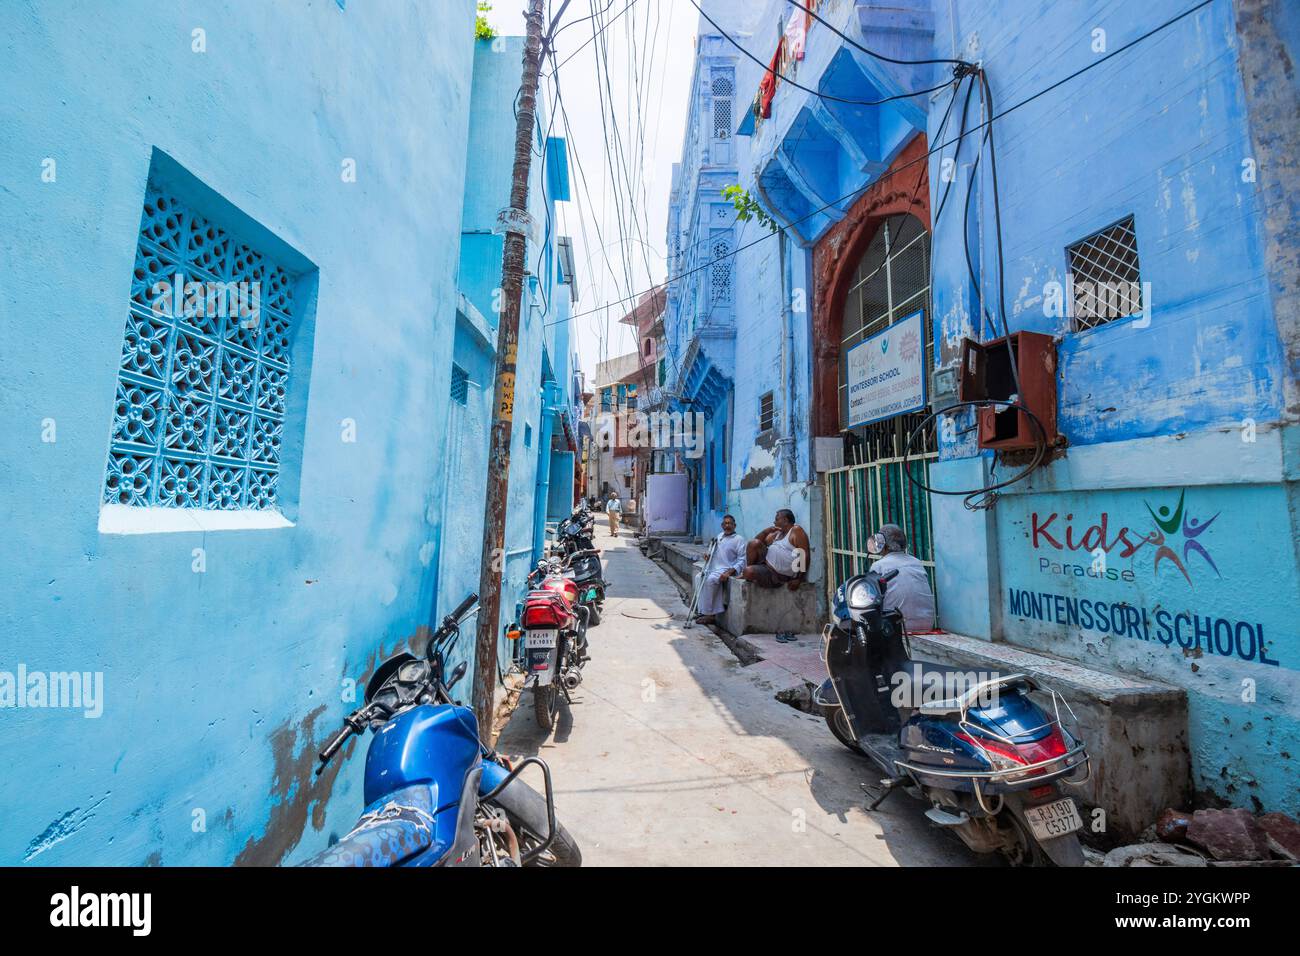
<point>553,626</point>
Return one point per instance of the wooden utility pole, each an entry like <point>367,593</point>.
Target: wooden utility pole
<point>515,222</point>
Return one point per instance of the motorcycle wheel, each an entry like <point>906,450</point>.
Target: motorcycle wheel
<point>594,619</point>
<point>546,705</point>
<point>525,808</point>
<point>839,726</point>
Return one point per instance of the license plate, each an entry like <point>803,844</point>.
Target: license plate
<point>544,639</point>
<point>1055,819</point>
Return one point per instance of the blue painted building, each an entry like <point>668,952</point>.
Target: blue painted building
<point>737,351</point>
<point>1158,539</point>
<point>543,438</point>
<point>249,427</point>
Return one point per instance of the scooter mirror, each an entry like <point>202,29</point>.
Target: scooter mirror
<point>457,674</point>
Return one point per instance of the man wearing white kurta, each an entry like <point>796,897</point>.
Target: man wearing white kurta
<point>728,560</point>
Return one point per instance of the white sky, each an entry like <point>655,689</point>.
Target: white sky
<point>664,67</point>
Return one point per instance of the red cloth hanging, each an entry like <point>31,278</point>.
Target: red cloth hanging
<point>767,88</point>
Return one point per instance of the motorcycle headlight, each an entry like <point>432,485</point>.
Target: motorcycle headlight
<point>861,596</point>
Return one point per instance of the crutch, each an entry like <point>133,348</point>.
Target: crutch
<point>695,598</point>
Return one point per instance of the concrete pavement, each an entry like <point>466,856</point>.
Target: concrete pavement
<point>674,754</point>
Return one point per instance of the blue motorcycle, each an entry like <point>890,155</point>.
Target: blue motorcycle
<point>435,796</point>
<point>986,757</point>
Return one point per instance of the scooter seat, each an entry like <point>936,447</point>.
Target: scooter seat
<point>394,829</point>
<point>940,689</point>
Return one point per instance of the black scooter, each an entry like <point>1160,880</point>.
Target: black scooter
<point>986,758</point>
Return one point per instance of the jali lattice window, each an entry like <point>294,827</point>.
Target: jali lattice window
<point>199,414</point>
<point>720,270</point>
<point>723,87</point>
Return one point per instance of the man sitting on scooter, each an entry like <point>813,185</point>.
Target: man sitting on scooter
<point>909,590</point>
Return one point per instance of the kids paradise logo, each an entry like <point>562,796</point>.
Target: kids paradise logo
<point>1180,545</point>
<point>1175,536</point>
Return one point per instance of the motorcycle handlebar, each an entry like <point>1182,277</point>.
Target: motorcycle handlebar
<point>462,610</point>
<point>333,746</point>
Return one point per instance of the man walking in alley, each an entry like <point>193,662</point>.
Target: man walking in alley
<point>613,508</point>
<point>909,590</point>
<point>779,554</point>
<point>727,560</point>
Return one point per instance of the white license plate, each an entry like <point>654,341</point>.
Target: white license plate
<point>1055,819</point>
<point>545,639</point>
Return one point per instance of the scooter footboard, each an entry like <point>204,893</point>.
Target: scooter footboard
<point>857,686</point>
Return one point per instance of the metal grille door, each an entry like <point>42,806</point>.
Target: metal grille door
<point>859,499</point>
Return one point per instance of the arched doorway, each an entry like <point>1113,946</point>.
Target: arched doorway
<point>873,272</point>
<point>890,283</point>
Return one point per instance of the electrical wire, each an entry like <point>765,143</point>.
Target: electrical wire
<point>890,173</point>
<point>825,96</point>
<point>557,66</point>
<point>872,53</point>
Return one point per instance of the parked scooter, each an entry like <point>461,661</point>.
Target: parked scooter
<point>553,626</point>
<point>435,796</point>
<point>987,759</point>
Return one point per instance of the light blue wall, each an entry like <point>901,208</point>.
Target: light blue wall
<point>220,686</point>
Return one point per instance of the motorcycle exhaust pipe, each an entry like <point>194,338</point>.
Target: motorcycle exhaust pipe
<point>572,679</point>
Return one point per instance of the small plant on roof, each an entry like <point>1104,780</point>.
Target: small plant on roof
<point>482,29</point>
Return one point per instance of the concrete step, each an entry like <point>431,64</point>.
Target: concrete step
<point>1135,729</point>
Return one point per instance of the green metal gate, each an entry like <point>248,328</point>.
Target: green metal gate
<point>859,499</point>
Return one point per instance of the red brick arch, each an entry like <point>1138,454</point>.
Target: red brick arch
<point>903,188</point>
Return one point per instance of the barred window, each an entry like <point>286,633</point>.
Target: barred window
<point>459,385</point>
<point>199,414</point>
<point>1105,276</point>
<point>766,412</point>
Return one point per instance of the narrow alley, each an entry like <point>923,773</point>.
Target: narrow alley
<point>673,754</point>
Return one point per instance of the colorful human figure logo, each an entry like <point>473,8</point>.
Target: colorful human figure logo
<point>1178,522</point>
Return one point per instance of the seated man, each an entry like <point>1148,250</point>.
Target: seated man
<point>909,590</point>
<point>728,560</point>
<point>779,554</point>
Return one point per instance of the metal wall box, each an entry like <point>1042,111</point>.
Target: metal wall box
<point>986,374</point>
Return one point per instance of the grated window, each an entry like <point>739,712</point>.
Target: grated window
<point>1105,276</point>
<point>723,88</point>
<point>199,414</point>
<point>766,412</point>
<point>720,271</point>
<point>459,385</point>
